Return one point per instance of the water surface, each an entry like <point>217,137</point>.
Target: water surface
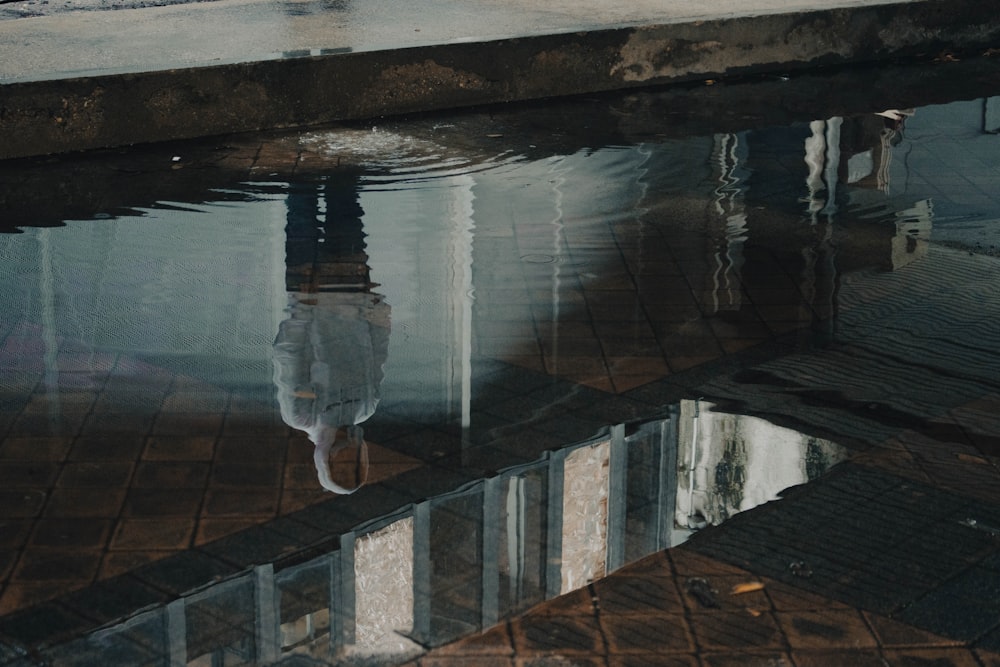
<point>403,380</point>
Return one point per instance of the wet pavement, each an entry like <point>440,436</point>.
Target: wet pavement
<point>627,333</point>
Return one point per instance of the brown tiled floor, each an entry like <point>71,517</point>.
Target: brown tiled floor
<point>129,475</point>
<point>81,508</point>
<point>643,615</point>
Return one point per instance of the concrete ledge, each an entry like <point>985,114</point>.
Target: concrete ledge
<point>54,116</point>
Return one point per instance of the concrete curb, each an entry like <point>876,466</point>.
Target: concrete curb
<point>55,116</point>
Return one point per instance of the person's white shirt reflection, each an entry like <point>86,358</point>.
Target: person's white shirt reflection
<point>328,364</point>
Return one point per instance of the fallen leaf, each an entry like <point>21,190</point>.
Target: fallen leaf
<point>748,587</point>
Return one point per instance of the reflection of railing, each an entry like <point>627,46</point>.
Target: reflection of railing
<point>438,569</point>
<point>446,566</point>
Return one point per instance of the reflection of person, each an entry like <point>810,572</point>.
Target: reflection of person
<point>329,352</point>
<point>328,359</point>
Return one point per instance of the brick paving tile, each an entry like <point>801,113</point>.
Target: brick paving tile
<point>179,448</point>
<point>868,658</point>
<point>27,474</point>
<point>725,589</point>
<point>93,502</point>
<point>152,534</point>
<point>637,595</point>
<point>120,448</point>
<point>829,628</point>
<point>186,423</point>
<point>70,533</point>
<point>80,474</point>
<point>212,529</point>
<point>462,661</point>
<point>147,503</point>
<point>171,474</point>
<point>691,563</point>
<point>647,633</point>
<point>244,474</point>
<point>559,661</point>
<point>21,503</point>
<point>582,602</point>
<point>789,598</point>
<point>14,533</point>
<point>57,565</point>
<point>35,448</point>
<point>652,660</point>
<point>893,634</point>
<point>19,595</point>
<point>728,630</point>
<point>951,657</point>
<point>8,559</point>
<point>749,659</point>
<point>120,562</point>
<point>497,641</point>
<point>261,502</point>
<point>538,635</point>
<point>988,658</point>
<point>293,500</point>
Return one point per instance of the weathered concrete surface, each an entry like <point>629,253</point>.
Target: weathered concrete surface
<point>58,115</point>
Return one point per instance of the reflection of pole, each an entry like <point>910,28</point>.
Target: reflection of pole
<point>422,571</point>
<point>729,255</point>
<point>492,491</point>
<point>617,498</point>
<point>693,463</point>
<point>832,163</point>
<point>460,294</point>
<point>47,289</point>
<point>554,524</point>
<point>557,245</point>
<point>667,496</point>
<point>177,633</point>
<point>991,115</point>
<point>268,617</point>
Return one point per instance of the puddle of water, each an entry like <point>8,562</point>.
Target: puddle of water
<point>484,344</point>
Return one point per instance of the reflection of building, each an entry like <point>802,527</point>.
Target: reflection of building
<point>730,463</point>
<point>452,564</point>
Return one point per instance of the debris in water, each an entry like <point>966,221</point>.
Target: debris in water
<point>747,587</point>
<point>800,569</point>
<point>979,525</point>
<point>702,591</point>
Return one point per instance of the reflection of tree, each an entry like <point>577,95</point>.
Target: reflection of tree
<point>329,352</point>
